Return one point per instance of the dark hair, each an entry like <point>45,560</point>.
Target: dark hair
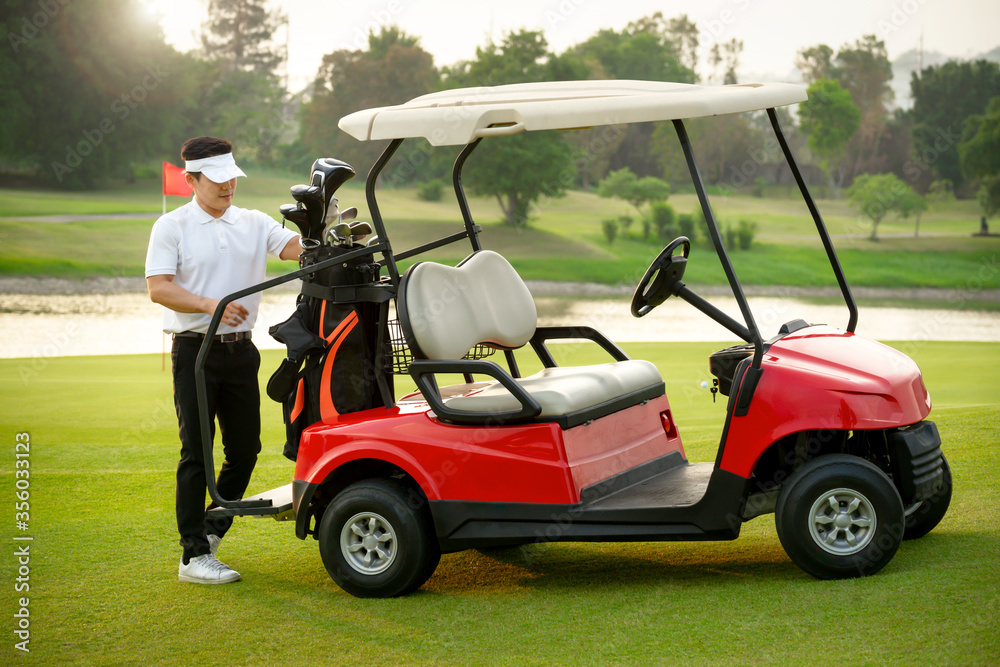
<point>197,148</point>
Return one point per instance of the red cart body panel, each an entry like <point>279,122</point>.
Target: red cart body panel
<point>523,463</point>
<point>823,378</point>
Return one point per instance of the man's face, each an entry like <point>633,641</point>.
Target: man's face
<point>213,197</point>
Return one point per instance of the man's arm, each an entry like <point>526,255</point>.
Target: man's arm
<point>163,291</point>
<point>292,249</point>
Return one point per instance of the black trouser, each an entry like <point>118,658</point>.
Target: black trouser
<point>233,397</point>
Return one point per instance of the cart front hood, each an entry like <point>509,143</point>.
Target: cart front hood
<point>876,386</point>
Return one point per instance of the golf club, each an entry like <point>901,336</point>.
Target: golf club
<point>311,197</point>
<point>296,214</point>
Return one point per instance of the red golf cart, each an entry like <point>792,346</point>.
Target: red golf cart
<point>824,428</point>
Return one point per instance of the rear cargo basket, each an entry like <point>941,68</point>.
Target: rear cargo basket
<point>402,356</point>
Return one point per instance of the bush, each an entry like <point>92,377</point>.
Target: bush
<point>663,219</point>
<point>610,229</point>
<point>431,190</point>
<point>730,235</point>
<point>145,172</point>
<point>624,221</point>
<point>687,225</point>
<point>758,187</point>
<point>745,233</point>
<point>941,190</point>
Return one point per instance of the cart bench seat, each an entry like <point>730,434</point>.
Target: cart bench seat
<point>444,311</point>
<point>567,389</point>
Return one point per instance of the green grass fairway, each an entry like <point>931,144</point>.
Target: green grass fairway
<point>563,242</point>
<point>103,561</point>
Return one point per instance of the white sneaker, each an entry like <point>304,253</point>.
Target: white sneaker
<point>206,569</point>
<point>213,543</point>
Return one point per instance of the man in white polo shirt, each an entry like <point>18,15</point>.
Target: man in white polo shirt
<point>198,254</point>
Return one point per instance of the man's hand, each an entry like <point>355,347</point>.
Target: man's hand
<point>234,314</point>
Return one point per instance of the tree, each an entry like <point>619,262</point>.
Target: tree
<point>830,118</point>
<point>815,63</point>
<point>520,169</point>
<point>876,195</point>
<point>980,155</point>
<point>623,184</point>
<point>244,99</point>
<point>865,71</point>
<point>89,92</point>
<point>393,70</point>
<point>652,49</point>
<point>943,98</point>
<point>727,58</point>
<point>862,69</point>
<point>239,33</point>
<point>912,203</point>
<point>683,32</point>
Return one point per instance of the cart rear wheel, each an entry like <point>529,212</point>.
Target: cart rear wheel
<point>839,516</point>
<point>922,518</point>
<point>374,544</point>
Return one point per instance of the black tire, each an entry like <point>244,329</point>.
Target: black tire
<point>374,544</point>
<point>924,517</point>
<point>839,517</point>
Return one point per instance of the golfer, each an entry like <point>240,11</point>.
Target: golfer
<point>198,254</point>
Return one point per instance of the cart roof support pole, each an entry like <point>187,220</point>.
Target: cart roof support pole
<point>463,203</point>
<point>713,230</point>
<point>845,289</point>
<point>390,260</point>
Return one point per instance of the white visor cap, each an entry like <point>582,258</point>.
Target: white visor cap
<point>218,168</point>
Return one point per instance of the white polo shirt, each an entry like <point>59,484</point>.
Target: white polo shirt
<point>213,257</point>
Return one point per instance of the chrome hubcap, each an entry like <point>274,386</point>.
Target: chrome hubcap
<point>842,522</point>
<point>368,543</point>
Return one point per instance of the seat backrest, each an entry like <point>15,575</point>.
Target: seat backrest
<point>444,311</point>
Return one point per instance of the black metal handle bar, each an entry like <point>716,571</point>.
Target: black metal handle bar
<point>199,365</point>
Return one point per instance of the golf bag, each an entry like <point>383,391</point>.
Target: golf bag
<point>332,340</point>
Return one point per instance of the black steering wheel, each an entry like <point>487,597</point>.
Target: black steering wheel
<point>661,277</point>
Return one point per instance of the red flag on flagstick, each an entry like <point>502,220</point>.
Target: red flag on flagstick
<point>173,181</point>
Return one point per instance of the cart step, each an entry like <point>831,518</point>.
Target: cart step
<point>281,501</point>
<point>677,487</point>
<point>279,510</point>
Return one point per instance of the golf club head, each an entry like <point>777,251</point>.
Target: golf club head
<point>330,238</point>
<point>329,174</point>
<point>295,213</point>
<point>299,191</point>
<point>311,197</point>
<point>342,230</point>
<point>349,214</point>
<point>372,241</point>
<point>337,234</point>
<point>359,230</point>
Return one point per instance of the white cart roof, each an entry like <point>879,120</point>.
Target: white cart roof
<point>463,115</point>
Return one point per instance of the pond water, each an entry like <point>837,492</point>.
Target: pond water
<point>91,324</point>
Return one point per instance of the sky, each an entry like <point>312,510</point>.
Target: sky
<point>772,31</point>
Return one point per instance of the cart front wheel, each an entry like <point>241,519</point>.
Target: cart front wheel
<point>374,543</point>
<point>839,516</point>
